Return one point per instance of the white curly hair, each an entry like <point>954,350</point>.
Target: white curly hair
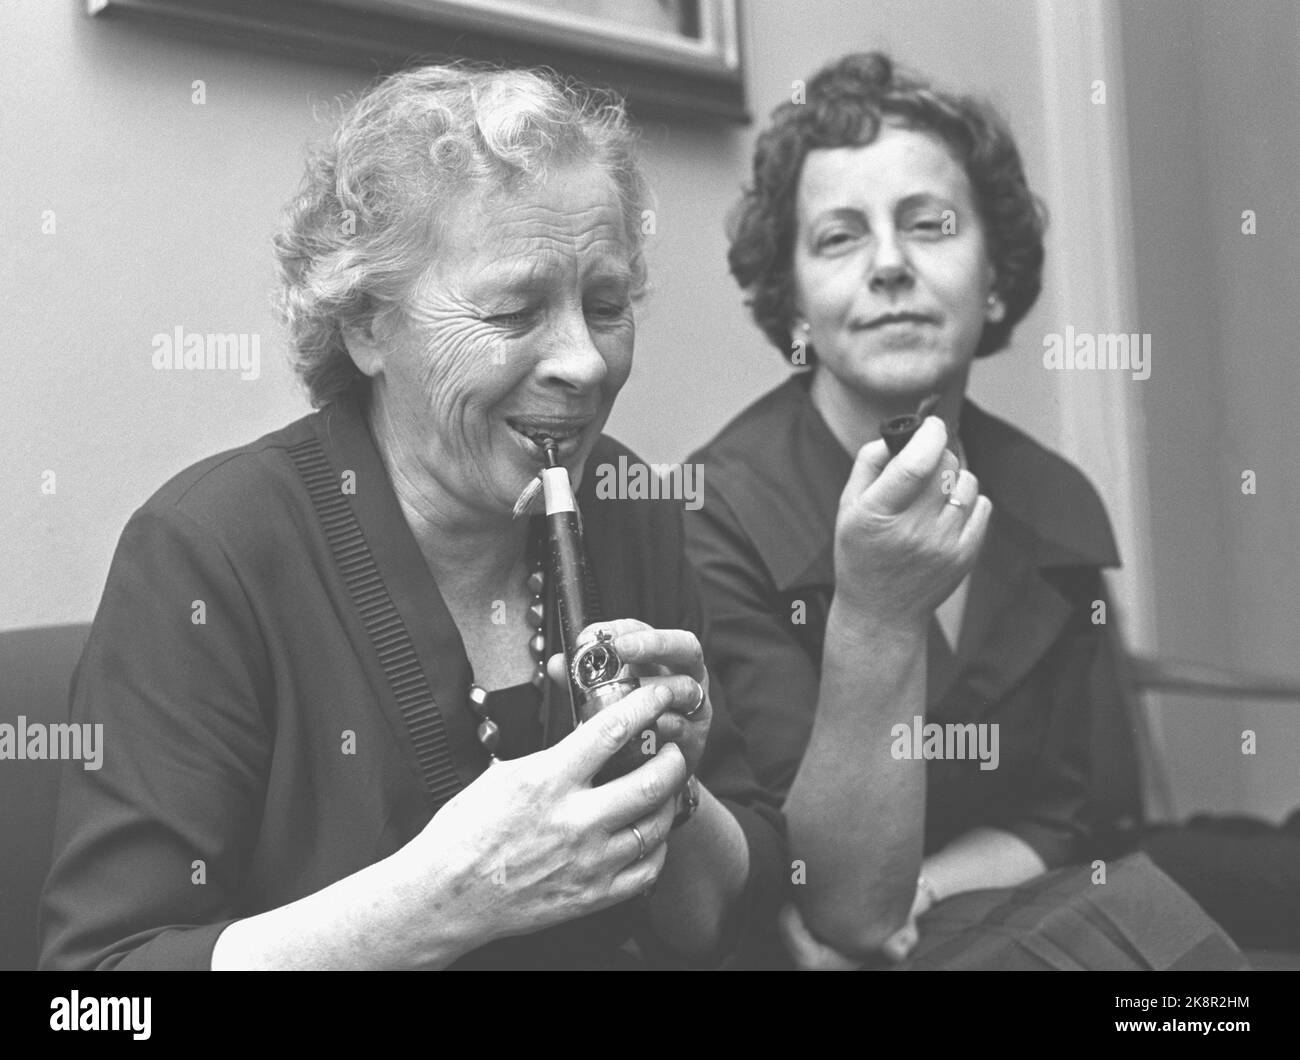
<point>361,229</point>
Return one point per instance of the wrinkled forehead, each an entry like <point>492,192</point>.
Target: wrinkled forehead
<point>520,235</point>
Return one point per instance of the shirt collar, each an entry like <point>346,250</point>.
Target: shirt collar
<point>787,491</point>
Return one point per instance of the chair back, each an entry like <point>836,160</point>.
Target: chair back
<point>36,667</point>
<point>1120,743</point>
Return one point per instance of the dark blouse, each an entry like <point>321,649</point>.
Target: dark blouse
<point>1029,656</point>
<point>283,695</point>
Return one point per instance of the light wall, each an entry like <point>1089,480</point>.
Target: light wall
<point>1212,93</point>
<point>164,209</point>
<point>163,212</point>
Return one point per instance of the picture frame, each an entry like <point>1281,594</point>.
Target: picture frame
<point>678,58</point>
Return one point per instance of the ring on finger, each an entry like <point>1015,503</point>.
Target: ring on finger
<point>956,502</point>
<point>640,842</point>
<point>699,702</point>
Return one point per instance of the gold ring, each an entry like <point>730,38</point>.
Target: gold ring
<point>640,843</point>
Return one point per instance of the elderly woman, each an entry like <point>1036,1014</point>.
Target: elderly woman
<point>889,240</point>
<point>320,658</point>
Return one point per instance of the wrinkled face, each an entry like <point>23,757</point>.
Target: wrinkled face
<point>522,326</point>
<point>890,265</point>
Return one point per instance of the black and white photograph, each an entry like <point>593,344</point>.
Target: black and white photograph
<point>665,485</point>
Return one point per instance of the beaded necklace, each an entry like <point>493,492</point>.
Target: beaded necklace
<point>489,732</point>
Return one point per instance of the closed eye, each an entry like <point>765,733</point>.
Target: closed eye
<point>517,319</point>
<point>607,310</point>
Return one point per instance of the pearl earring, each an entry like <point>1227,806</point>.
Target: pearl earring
<point>800,338</point>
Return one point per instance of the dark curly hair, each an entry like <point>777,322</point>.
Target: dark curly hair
<point>845,105</point>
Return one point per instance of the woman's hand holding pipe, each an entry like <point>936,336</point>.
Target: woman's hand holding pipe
<point>908,529</point>
<point>659,656</point>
